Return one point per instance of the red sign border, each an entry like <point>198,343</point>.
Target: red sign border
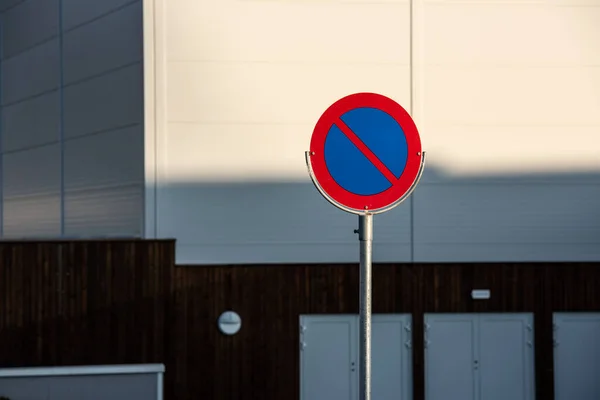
<point>317,150</point>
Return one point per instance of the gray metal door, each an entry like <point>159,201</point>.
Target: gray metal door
<point>450,356</point>
<point>479,356</point>
<point>391,357</point>
<point>329,348</point>
<point>506,360</point>
<point>577,356</point>
<point>328,355</point>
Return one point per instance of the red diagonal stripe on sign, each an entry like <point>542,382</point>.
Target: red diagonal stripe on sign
<point>389,175</point>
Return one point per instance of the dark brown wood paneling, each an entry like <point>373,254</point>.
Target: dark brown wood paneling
<point>111,302</point>
<point>73,303</point>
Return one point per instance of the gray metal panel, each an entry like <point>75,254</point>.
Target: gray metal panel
<point>29,216</point>
<point>110,211</point>
<point>449,356</point>
<point>104,180</point>
<point>27,24</point>
<point>6,4</point>
<point>114,387</point>
<point>280,229</point>
<point>31,192</point>
<point>77,12</point>
<point>577,356</point>
<point>31,122</point>
<point>25,388</point>
<point>95,387</point>
<point>502,221</point>
<point>88,51</point>
<point>104,173</point>
<point>109,158</point>
<point>31,73</point>
<point>329,357</point>
<point>506,361</point>
<point>391,357</point>
<point>107,102</point>
<point>31,172</point>
<point>326,361</point>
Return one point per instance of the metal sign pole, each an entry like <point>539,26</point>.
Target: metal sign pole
<point>365,237</point>
<point>355,191</point>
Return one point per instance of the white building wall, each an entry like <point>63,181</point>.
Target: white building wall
<point>506,96</point>
<point>239,87</point>
<point>72,118</point>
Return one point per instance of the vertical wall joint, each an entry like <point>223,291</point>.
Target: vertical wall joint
<point>61,117</point>
<point>1,130</point>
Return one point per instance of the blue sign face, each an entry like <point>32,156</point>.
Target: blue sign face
<point>365,151</point>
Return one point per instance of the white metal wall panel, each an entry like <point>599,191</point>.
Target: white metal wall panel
<point>329,352</point>
<point>234,105</point>
<point>267,222</point>
<point>493,104</point>
<point>239,87</point>
<point>507,221</point>
<point>577,356</point>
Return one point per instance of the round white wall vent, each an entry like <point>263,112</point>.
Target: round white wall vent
<point>230,323</point>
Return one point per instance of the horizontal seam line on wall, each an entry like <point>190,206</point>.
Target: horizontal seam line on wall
<point>31,47</point>
<point>71,138</point>
<point>30,97</point>
<point>332,63</point>
<point>350,242</point>
<point>13,6</point>
<point>496,244</point>
<point>31,147</point>
<point>505,2</point>
<point>19,197</point>
<point>100,131</point>
<point>48,39</point>
<point>236,123</point>
<point>98,17</point>
<point>56,193</point>
<point>128,184</point>
<point>73,83</point>
<point>103,73</point>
